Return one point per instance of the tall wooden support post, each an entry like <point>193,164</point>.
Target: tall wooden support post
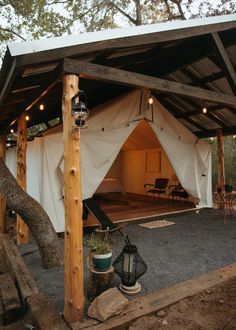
<point>73,242</point>
<point>2,199</point>
<point>22,230</point>
<point>221,162</point>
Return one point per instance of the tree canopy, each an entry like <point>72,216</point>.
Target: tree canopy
<point>34,19</point>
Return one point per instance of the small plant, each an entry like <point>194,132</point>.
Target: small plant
<point>96,245</point>
<point>99,253</point>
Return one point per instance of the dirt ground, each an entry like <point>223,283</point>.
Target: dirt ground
<point>213,309</point>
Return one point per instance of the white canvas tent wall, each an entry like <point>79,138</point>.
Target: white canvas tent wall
<point>108,128</point>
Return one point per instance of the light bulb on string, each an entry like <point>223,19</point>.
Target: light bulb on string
<point>41,107</point>
<point>150,100</point>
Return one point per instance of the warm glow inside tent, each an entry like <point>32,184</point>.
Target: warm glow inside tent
<point>158,139</point>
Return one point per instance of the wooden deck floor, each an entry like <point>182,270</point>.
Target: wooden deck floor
<point>133,207</point>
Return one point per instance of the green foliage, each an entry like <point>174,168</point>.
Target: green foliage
<point>97,245</point>
<point>229,160</point>
<point>30,19</point>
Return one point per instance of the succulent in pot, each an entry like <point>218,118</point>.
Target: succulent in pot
<point>100,254</point>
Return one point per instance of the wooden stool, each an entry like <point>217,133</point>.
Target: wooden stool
<point>99,282</point>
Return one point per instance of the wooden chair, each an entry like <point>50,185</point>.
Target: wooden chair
<point>225,202</point>
<point>159,188</point>
<point>178,192</point>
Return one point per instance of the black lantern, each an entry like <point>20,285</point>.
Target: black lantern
<point>129,266</point>
<point>79,109</point>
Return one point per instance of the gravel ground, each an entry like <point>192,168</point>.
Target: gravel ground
<point>197,243</point>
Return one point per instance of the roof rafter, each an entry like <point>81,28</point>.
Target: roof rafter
<point>99,72</point>
<point>226,63</point>
<point>210,78</point>
<point>203,85</point>
<point>53,78</point>
<point>167,103</point>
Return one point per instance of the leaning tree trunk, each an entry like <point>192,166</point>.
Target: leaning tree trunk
<point>34,216</point>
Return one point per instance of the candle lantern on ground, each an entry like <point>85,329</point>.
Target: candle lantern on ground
<point>129,266</point>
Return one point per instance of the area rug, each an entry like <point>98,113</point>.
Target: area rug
<point>156,224</point>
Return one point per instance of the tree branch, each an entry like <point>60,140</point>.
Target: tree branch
<point>168,9</point>
<point>131,19</point>
<point>12,32</point>
<point>178,4</point>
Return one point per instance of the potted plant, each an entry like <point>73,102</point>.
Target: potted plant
<point>100,254</point>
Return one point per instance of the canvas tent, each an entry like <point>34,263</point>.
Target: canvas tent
<point>108,128</point>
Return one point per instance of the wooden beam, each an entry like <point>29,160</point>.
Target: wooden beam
<point>198,111</point>
<point>18,269</point>
<point>51,81</point>
<point>221,162</point>
<point>73,243</point>
<point>160,60</point>
<point>212,77</point>
<point>228,67</point>
<point>35,97</point>
<point>99,72</point>
<point>153,302</point>
<point>22,228</point>
<point>2,199</point>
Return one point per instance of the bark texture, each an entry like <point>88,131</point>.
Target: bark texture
<point>34,216</point>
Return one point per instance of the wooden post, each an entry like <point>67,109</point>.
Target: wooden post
<point>73,241</point>
<point>2,199</point>
<point>22,230</point>
<point>221,162</point>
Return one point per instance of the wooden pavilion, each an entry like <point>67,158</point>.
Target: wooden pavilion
<point>188,66</point>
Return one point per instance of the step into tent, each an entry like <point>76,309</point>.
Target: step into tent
<point>109,126</point>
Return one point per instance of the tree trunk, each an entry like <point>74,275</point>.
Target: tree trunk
<point>34,216</point>
<point>138,12</point>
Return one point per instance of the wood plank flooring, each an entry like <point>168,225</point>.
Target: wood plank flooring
<point>133,207</point>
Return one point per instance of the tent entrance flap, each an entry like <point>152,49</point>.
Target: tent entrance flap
<point>101,216</point>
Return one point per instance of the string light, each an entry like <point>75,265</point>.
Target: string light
<point>27,118</point>
<point>150,100</point>
<point>234,136</point>
<point>204,110</point>
<point>41,107</point>
<point>12,130</point>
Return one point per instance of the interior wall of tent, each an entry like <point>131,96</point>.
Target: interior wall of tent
<point>141,160</point>
<point>134,168</point>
